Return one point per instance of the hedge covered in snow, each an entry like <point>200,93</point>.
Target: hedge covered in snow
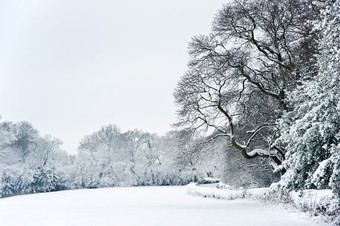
<point>315,202</point>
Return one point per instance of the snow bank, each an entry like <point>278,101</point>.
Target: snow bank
<point>315,202</point>
<point>220,191</point>
<point>139,206</point>
<point>257,193</point>
<point>208,192</point>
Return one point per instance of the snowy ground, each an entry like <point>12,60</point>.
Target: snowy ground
<point>140,206</point>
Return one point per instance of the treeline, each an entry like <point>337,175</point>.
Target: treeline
<point>31,163</point>
<point>110,158</point>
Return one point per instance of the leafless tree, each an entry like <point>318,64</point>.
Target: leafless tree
<point>25,137</point>
<point>238,74</point>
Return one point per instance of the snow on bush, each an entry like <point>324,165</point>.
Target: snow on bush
<point>312,200</point>
<point>223,191</point>
<point>257,193</point>
<point>315,202</point>
<point>207,192</point>
<point>16,180</point>
<point>310,132</point>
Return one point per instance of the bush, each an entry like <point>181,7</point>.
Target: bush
<point>19,181</point>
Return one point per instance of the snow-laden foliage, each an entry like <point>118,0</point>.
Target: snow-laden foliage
<point>315,202</point>
<point>110,157</point>
<point>30,163</point>
<point>311,131</point>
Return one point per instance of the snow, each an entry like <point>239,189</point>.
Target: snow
<point>257,193</point>
<point>321,170</point>
<point>226,193</point>
<point>312,200</point>
<point>320,203</point>
<point>206,191</point>
<point>139,206</point>
<point>259,151</point>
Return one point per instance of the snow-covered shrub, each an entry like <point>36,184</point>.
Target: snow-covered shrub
<point>223,191</point>
<point>257,193</point>
<point>15,181</point>
<point>315,201</point>
<point>225,194</point>
<point>18,180</point>
<point>30,163</point>
<point>173,177</point>
<point>222,186</point>
<point>47,180</point>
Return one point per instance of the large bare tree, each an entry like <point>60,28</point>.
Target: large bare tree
<point>238,74</point>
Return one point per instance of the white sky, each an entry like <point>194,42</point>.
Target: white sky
<point>72,66</point>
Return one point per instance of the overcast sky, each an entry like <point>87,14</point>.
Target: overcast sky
<point>72,66</point>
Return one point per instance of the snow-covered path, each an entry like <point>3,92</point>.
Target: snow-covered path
<point>139,206</point>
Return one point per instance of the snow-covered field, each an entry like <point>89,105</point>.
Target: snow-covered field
<point>140,206</point>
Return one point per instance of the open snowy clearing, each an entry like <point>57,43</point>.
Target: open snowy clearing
<point>140,206</point>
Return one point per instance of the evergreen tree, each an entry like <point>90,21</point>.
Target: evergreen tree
<point>311,131</point>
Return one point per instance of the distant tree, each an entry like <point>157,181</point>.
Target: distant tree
<point>170,168</point>
<point>47,151</point>
<point>25,137</point>
<point>203,160</point>
<point>7,155</point>
<point>30,163</point>
<point>110,157</point>
<point>5,135</point>
<point>98,159</point>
